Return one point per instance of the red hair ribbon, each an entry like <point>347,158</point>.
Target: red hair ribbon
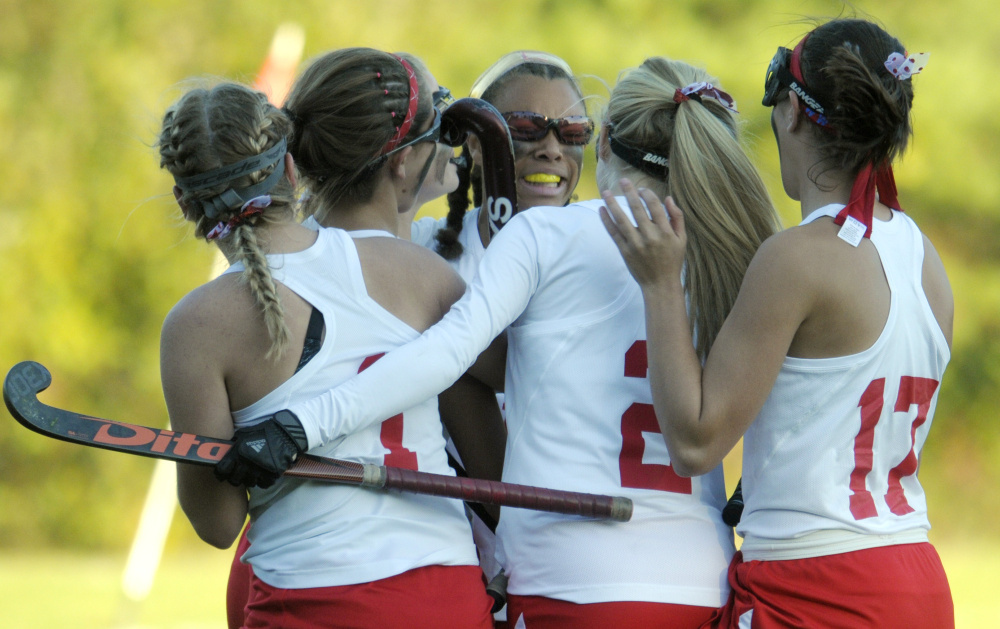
<point>857,214</point>
<point>697,90</point>
<point>411,111</point>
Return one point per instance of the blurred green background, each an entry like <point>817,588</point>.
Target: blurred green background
<point>93,252</point>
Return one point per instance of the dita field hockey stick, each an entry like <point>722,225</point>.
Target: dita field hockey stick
<point>26,379</point>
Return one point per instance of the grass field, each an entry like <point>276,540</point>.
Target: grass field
<point>68,591</point>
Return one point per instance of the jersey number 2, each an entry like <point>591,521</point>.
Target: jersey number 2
<point>912,392</point>
<point>637,419</point>
<point>392,432</point>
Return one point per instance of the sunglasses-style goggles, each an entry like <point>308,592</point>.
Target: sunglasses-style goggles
<point>527,126</point>
<point>779,77</point>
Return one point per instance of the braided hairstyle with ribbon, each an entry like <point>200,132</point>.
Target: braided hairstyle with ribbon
<point>669,128</point>
<point>350,107</point>
<point>224,145</point>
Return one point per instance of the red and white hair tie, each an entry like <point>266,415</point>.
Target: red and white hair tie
<point>698,90</point>
<point>252,207</point>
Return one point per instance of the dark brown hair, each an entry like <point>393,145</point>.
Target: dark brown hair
<point>346,106</point>
<point>843,65</point>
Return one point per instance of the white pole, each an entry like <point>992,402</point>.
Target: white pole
<point>151,536</point>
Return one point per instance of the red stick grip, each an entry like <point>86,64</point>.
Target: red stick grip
<point>510,495</point>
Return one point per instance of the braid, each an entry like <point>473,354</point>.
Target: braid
<point>476,182</point>
<point>458,203</point>
<point>257,276</point>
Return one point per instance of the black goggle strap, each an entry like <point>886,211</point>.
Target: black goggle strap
<point>650,163</point>
<point>788,79</point>
<point>232,198</point>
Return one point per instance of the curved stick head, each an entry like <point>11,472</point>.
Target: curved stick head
<point>21,387</point>
<point>477,117</point>
<point>472,116</point>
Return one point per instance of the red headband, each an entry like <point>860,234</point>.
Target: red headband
<point>794,65</point>
<point>411,110</point>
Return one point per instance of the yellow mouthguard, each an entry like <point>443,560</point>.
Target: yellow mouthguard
<point>541,178</point>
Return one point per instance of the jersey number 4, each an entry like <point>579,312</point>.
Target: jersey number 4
<point>912,392</point>
<point>637,419</point>
<point>392,432</point>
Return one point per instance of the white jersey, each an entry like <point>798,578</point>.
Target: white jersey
<point>313,534</point>
<point>422,232</point>
<point>830,463</point>
<point>579,417</point>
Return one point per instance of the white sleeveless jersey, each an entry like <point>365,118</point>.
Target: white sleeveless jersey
<point>422,232</point>
<point>579,417</point>
<point>313,534</point>
<point>830,463</point>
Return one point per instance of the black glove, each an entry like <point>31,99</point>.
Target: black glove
<point>261,453</point>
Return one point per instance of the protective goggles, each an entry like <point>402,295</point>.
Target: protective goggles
<point>431,135</point>
<point>779,76</point>
<point>527,126</point>
<point>442,98</point>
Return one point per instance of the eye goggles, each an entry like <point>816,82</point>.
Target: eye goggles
<point>527,126</point>
<point>433,134</point>
<point>779,76</point>
<point>442,98</point>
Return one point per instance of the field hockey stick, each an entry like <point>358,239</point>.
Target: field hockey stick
<point>472,116</point>
<point>26,379</point>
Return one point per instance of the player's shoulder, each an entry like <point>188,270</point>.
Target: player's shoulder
<point>410,265</point>
<point>222,303</point>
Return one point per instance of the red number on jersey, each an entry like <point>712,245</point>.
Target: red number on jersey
<point>392,432</point>
<point>637,419</point>
<point>912,391</point>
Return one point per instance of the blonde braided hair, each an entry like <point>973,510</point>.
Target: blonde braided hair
<point>206,129</point>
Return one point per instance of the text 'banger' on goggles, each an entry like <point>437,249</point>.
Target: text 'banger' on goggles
<point>779,77</point>
<point>527,126</point>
